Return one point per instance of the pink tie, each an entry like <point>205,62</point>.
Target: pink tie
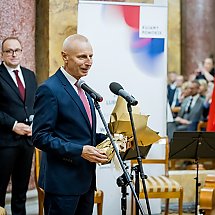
<point>85,102</point>
<point>20,85</point>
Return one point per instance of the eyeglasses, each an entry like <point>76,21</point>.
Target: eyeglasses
<point>11,52</point>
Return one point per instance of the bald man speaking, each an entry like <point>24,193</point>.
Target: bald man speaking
<point>64,128</point>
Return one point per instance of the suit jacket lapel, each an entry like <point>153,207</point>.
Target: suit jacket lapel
<point>6,76</point>
<point>70,90</point>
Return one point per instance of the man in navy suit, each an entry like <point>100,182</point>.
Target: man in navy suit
<point>17,92</point>
<point>65,131</point>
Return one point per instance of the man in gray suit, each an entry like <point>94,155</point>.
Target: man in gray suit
<point>191,110</point>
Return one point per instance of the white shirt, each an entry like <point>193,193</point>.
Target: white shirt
<point>71,80</point>
<point>12,74</point>
<point>195,98</point>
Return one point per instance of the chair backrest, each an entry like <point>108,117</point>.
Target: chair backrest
<point>37,165</point>
<point>175,109</point>
<point>164,160</point>
<point>202,126</point>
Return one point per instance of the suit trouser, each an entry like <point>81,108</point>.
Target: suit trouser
<point>69,205</point>
<point>15,162</point>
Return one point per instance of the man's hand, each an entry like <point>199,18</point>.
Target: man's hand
<point>93,154</point>
<point>182,121</point>
<point>22,129</point>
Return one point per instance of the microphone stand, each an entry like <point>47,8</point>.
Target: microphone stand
<point>139,167</point>
<point>126,177</point>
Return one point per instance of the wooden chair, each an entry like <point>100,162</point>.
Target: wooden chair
<point>161,186</point>
<point>98,199</point>
<point>40,191</point>
<point>207,196</point>
<point>201,126</point>
<point>208,163</point>
<point>175,109</point>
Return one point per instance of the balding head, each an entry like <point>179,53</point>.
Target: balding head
<point>77,55</point>
<point>71,40</point>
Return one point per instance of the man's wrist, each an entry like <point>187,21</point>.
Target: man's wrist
<point>14,125</point>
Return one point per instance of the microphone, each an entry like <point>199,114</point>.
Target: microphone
<point>89,90</point>
<point>118,90</point>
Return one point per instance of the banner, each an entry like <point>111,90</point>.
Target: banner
<point>130,47</point>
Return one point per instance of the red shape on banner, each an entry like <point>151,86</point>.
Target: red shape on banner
<point>132,16</point>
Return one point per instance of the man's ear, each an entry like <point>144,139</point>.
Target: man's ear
<point>64,56</point>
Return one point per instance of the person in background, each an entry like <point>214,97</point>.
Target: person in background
<point>208,101</point>
<point>176,103</point>
<point>64,128</point>
<point>191,110</point>
<point>206,70</point>
<point>185,91</point>
<point>17,92</point>
<point>203,87</point>
<point>178,82</point>
<point>171,87</point>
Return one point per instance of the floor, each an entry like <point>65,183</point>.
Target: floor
<point>32,205</point>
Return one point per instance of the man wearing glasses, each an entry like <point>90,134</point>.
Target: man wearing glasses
<point>17,91</point>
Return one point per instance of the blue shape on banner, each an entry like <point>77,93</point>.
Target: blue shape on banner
<point>146,52</point>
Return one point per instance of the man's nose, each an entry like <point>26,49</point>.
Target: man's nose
<point>14,53</point>
<point>89,61</point>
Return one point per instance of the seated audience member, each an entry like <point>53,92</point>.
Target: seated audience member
<point>178,82</point>
<point>170,128</point>
<point>185,91</point>
<point>206,70</point>
<point>207,101</point>
<point>191,110</point>
<point>203,88</point>
<point>174,91</point>
<point>192,75</point>
<point>171,87</point>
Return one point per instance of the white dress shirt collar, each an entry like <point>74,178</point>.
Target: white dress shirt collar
<point>70,78</point>
<point>10,70</point>
<point>195,98</point>
<point>12,74</point>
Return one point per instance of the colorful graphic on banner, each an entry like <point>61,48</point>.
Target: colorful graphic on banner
<point>121,55</point>
<point>144,50</point>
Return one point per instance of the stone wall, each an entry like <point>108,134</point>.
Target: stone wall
<point>17,18</point>
<point>198,33</point>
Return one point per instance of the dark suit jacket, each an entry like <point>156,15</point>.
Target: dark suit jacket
<point>61,128</point>
<point>12,108</point>
<point>170,94</point>
<point>194,116</point>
